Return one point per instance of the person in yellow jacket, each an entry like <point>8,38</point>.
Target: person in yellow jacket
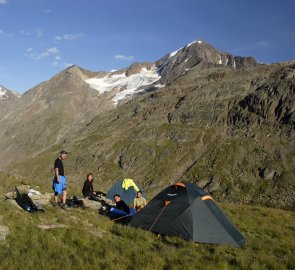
<point>139,202</point>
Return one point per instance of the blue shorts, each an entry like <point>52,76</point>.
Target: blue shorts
<point>61,186</point>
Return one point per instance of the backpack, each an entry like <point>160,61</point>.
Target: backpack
<point>25,202</point>
<point>74,202</point>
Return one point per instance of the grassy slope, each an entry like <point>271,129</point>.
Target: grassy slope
<point>269,233</point>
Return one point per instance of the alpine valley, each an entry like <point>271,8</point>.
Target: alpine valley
<point>199,114</point>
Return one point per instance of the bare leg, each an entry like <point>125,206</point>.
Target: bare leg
<point>64,196</point>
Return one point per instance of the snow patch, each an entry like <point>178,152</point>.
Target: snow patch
<point>160,85</point>
<point>191,43</point>
<point>174,53</point>
<point>2,93</point>
<point>186,59</point>
<point>127,86</point>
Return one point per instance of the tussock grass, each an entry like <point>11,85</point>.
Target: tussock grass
<point>269,233</point>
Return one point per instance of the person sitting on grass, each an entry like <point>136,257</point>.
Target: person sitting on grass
<point>139,202</point>
<point>120,204</point>
<point>88,190</point>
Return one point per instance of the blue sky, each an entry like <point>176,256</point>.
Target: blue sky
<point>39,38</point>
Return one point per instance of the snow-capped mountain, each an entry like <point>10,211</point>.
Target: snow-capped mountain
<point>125,83</point>
<point>54,110</point>
<point>7,95</point>
<point>201,55</point>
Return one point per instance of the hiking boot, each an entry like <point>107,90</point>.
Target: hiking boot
<point>54,204</point>
<point>64,207</point>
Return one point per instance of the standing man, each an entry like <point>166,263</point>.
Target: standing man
<point>59,180</point>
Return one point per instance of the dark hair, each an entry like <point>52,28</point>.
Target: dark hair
<point>89,175</point>
<point>117,195</point>
<point>139,191</point>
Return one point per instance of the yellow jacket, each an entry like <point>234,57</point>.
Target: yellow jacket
<point>127,183</point>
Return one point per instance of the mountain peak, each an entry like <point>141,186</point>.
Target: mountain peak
<point>7,95</point>
<point>198,54</point>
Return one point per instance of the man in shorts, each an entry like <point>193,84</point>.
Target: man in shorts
<point>59,180</point>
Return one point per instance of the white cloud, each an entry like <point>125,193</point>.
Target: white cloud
<point>25,33</point>
<point>53,50</point>
<point>4,34</point>
<point>57,58</point>
<point>38,56</point>
<point>39,32</point>
<point>46,10</point>
<point>3,2</point>
<point>258,45</point>
<point>124,57</point>
<point>68,37</point>
<point>55,63</point>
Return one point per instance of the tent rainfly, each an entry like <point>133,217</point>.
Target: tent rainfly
<point>185,210</point>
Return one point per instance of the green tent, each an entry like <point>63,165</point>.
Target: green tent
<point>185,210</point>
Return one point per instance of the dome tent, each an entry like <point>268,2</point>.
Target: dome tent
<point>127,190</point>
<point>185,210</point>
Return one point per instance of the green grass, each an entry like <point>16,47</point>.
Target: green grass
<point>270,235</point>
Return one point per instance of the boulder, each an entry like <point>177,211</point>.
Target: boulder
<point>13,202</point>
<point>4,231</point>
<point>10,195</point>
<point>50,226</point>
<point>43,199</point>
<point>91,204</point>
<point>267,173</point>
<point>23,188</point>
<point>98,234</point>
<point>210,185</point>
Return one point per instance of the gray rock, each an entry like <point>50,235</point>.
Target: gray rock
<point>91,204</point>
<point>4,231</point>
<point>50,226</point>
<point>210,185</point>
<point>43,199</point>
<point>10,195</point>
<point>98,234</point>
<point>23,188</point>
<point>267,173</point>
<point>14,203</point>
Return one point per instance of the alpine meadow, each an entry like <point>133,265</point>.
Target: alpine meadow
<point>203,138</point>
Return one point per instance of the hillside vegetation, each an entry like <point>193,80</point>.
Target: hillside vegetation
<point>86,240</point>
<point>234,127</point>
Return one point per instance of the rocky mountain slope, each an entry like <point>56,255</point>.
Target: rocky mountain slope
<point>229,130</point>
<point>48,113</point>
<point>7,97</point>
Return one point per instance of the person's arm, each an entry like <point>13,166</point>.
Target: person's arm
<point>92,189</point>
<point>84,189</point>
<point>134,204</point>
<point>57,174</point>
